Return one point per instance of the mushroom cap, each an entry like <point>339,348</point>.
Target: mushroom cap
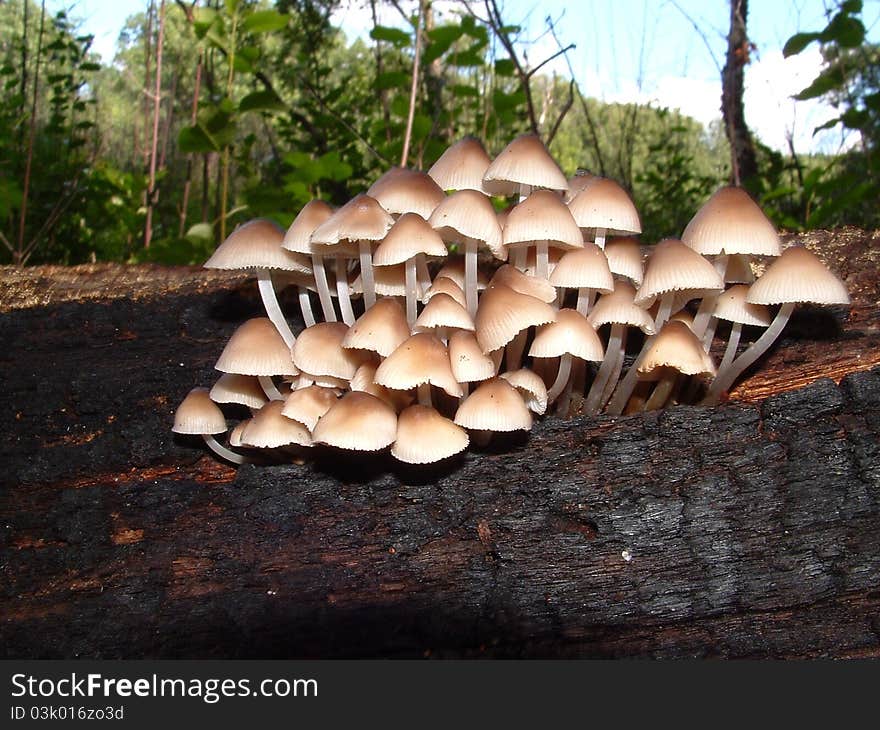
<point>675,346</point>
<point>618,308</point>
<point>731,222</point>
<point>469,364</point>
<point>675,267</point>
<point>242,389</point>
<point>461,166</point>
<point>494,406</point>
<point>198,415</point>
<point>542,216</point>
<point>797,276</point>
<point>307,405</point>
<point>515,279</point>
<point>380,329</point>
<point>256,348</point>
<point>739,270</point>
<point>453,268</point>
<point>570,334</point>
<point>358,422</point>
<point>420,359</point>
<point>270,429</point>
<point>576,183</point>
<point>236,432</point>
<point>731,305</point>
<point>365,380</point>
<point>604,204</point>
<point>445,285</point>
<point>319,351</point>
<point>625,259</point>
<point>401,190</point>
<point>313,214</point>
<point>360,219</point>
<point>525,161</point>
<point>388,281</point>
<point>408,237</point>
<point>443,311</point>
<point>256,245</point>
<point>531,387</point>
<point>468,216</point>
<point>503,313</point>
<point>424,436</point>
<point>585,267</point>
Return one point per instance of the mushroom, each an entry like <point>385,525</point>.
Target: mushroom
<point>503,319</point>
<point>521,166</point>
<point>419,362</point>
<point>298,240</point>
<point>401,191</point>
<point>256,348</point>
<point>469,363</point>
<point>494,406</point>
<point>675,350</point>
<point>198,415</point>
<point>585,269</point>
<point>441,314</point>
<point>307,405</point>
<point>242,390</point>
<point>445,285</point>
<point>523,283</point>
<point>271,429</point>
<point>380,329</point>
<point>462,166</point>
<point>530,386</point>
<point>319,351</point>
<point>733,307</point>
<point>604,207</point>
<point>624,255</point>
<point>424,436</point>
<point>357,422</point>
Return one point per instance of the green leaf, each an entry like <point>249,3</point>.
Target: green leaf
<point>855,118</point>
<point>265,21</point>
<point>203,19</point>
<point>261,101</point>
<point>89,66</point>
<point>798,42</point>
<point>464,90</point>
<point>505,67</point>
<point>392,80</point>
<point>195,139</point>
<point>446,34</point>
<point>394,36</point>
<point>826,81</point>
<point>846,31</point>
<point>830,124</point>
<point>421,127</point>
<point>200,233</point>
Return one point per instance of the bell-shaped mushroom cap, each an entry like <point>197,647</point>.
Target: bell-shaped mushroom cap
<point>198,415</point>
<point>388,281</point>
<point>256,348</point>
<point>675,267</point>
<point>307,405</point>
<point>624,256</point>
<point>675,346</point>
<point>364,380</point>
<point>242,389</point>
<point>515,279</point>
<point>409,236</point>
<point>584,267</point>
<point>739,270</point>
<point>358,422</point>
<point>424,436</point>
<point>298,236</point>
<point>731,305</point>
<point>525,161</point>
<point>443,311</point>
<point>530,387</point>
<point>421,359</point>
<point>468,216</point>
<point>445,285</point>
<point>461,166</point>
<point>604,204</point>
<point>570,334</point>
<point>576,183</point>
<point>237,431</point>
<point>503,313</point>
<point>542,216</point>
<point>319,351</point>
<point>453,269</point>
<point>619,308</point>
<point>256,245</point>
<point>380,329</point>
<point>469,364</point>
<point>270,429</point>
<point>401,190</point>
<point>360,219</point>
<point>798,276</point>
<point>685,317</point>
<point>731,222</point>
<point>494,406</point>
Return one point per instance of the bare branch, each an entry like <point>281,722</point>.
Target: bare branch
<point>562,112</point>
<point>543,63</point>
<point>414,88</point>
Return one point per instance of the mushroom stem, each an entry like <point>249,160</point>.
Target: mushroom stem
<point>563,407</point>
<point>593,403</point>
<point>519,259</point>
<point>664,310</point>
<point>342,291</point>
<point>323,287</point>
<point>662,390</point>
<point>222,451</point>
<point>600,237</point>
<point>709,334</point>
<point>424,274</point>
<point>273,309</point>
<point>412,291</point>
<point>515,350</point>
<point>615,375</point>
<point>585,300</point>
<point>367,280</point>
<point>727,376</point>
<point>707,305</point>
<point>542,259</point>
<point>424,394</point>
<point>732,344</point>
<point>268,385</point>
<point>305,305</point>
<point>562,378</point>
<point>470,276</point>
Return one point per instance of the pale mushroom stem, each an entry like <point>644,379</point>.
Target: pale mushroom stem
<point>612,353</point>
<point>412,292</point>
<point>709,334</point>
<point>662,390</point>
<point>470,277</point>
<point>585,300</point>
<point>222,451</point>
<point>424,274</point>
<point>732,344</point>
<point>600,237</point>
<point>367,280</point>
<point>268,385</point>
<point>727,377</point>
<point>519,259</point>
<point>664,310</point>
<point>323,288</point>
<point>563,407</point>
<point>542,259</point>
<point>273,309</point>
<point>342,291</point>
<point>707,306</point>
<point>515,350</point>
<point>305,305</point>
<point>615,376</point>
<point>424,394</point>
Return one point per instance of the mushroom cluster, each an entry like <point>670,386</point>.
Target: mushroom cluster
<point>434,315</point>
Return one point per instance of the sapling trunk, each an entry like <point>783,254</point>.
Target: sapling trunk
<point>412,292</point>
<point>323,288</point>
<point>273,309</point>
<point>470,277</point>
<point>222,451</point>
<point>612,354</point>
<point>367,281</point>
<point>342,291</point>
<point>305,305</point>
<point>562,378</point>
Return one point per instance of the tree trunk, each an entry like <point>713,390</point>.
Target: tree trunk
<point>744,166</point>
<point>154,145</point>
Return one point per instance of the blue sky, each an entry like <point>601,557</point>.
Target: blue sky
<point>631,50</point>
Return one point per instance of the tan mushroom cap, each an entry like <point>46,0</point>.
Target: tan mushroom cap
<point>313,214</point>
<point>683,316</point>
<point>798,276</point>
<point>576,183</point>
<point>307,405</point>
<point>494,406</point>
<point>389,281</point>
<point>542,216</point>
<point>197,415</point>
<point>319,351</point>
<point>604,204</point>
<point>421,359</point>
<point>236,432</point>
<point>618,308</point>
<point>585,267</point>
<point>360,219</point>
<point>453,269</point>
<point>674,267</point>
<point>380,329</point>
<point>244,390</point>
<point>365,380</point>
<point>731,222</point>
<point>531,387</point>
<point>503,313</point>
<point>256,245</point>
<point>525,161</point>
<point>445,285</point>
<point>270,429</point>
<point>443,311</point>
<point>256,348</point>
<point>469,364</point>
<point>731,305</point>
<point>515,279</point>
<point>739,270</point>
<point>625,259</point>
<point>462,166</point>
<point>425,437</point>
<point>401,190</point>
<point>409,236</point>
<point>358,422</point>
<point>570,334</point>
<point>468,216</point>
<point>675,346</point>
